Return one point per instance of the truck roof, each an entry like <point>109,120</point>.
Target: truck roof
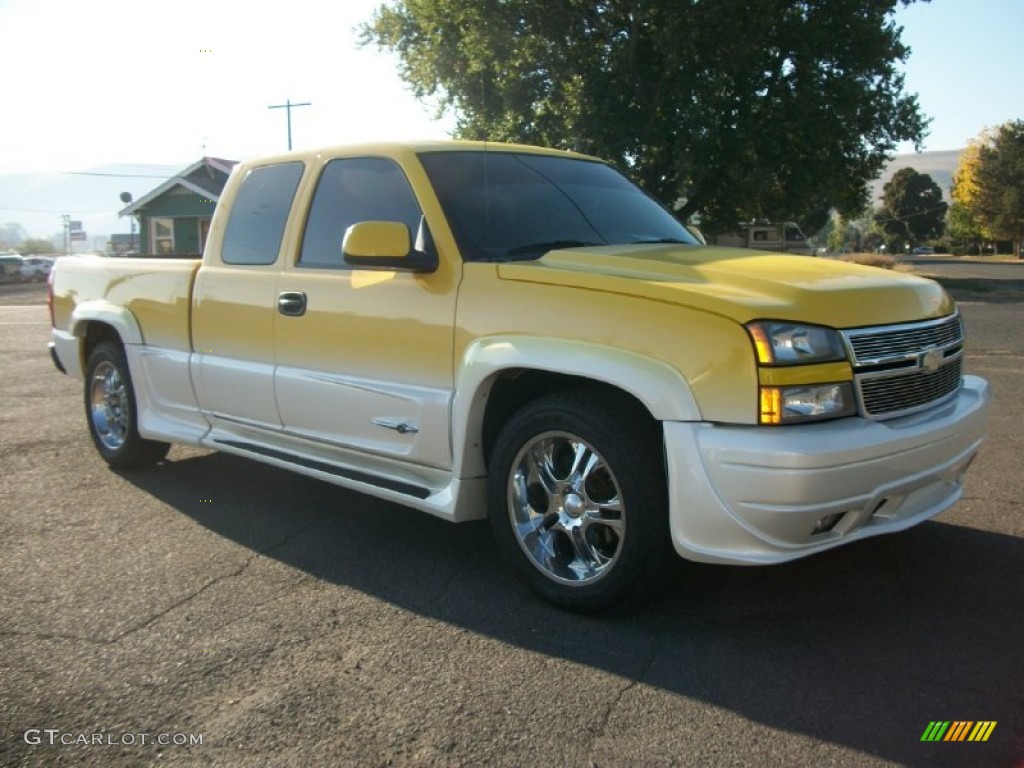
<point>399,148</point>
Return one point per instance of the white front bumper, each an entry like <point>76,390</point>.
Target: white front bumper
<point>753,495</point>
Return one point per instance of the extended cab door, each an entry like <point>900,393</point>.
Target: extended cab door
<point>235,297</point>
<point>365,356</point>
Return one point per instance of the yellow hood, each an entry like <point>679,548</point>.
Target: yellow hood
<point>742,284</point>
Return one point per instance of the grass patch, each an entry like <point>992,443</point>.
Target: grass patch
<point>881,260</point>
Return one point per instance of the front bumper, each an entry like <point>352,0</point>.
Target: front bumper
<point>758,495</point>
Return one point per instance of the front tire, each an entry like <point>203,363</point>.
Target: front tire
<point>111,412</point>
<point>577,499</point>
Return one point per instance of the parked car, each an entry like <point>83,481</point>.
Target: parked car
<point>923,250</point>
<point>10,267</point>
<point>36,268</point>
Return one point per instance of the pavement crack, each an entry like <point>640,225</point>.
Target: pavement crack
<point>606,715</point>
<point>287,540</point>
<point>51,636</point>
<point>266,551</point>
<point>184,600</point>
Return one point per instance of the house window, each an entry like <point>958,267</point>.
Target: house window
<point>162,235</point>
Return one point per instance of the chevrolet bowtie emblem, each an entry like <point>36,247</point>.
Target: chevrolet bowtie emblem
<point>931,360</point>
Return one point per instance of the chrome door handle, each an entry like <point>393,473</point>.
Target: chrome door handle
<point>291,303</point>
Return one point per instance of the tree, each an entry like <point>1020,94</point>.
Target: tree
<point>912,208</point>
<point>844,237</point>
<point>35,245</point>
<point>963,230</point>
<point>963,223</point>
<point>733,109</point>
<point>998,202</point>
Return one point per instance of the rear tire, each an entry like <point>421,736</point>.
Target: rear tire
<point>111,412</point>
<point>577,500</point>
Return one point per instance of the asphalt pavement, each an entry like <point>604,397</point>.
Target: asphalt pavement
<point>216,612</point>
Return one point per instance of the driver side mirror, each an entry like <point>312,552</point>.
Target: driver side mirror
<point>385,245</point>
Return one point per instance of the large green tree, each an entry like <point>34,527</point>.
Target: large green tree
<point>964,232</point>
<point>998,201</point>
<point>912,208</point>
<point>733,109</point>
<point>962,222</point>
<point>35,245</point>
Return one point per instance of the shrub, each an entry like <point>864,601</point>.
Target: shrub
<point>881,260</point>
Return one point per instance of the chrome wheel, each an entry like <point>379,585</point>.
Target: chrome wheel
<point>566,508</point>
<point>109,406</point>
<point>110,410</point>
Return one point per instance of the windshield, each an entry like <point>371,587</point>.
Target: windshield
<point>505,206</point>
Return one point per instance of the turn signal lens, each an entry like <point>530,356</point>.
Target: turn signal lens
<point>771,405</point>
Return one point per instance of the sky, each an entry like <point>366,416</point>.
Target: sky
<point>92,82</point>
<point>966,65</point>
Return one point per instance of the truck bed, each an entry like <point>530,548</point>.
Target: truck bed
<point>156,292</point>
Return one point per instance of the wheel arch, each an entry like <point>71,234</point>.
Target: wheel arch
<point>96,322</point>
<point>499,375</point>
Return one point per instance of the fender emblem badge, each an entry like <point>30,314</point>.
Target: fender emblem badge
<point>398,426</point>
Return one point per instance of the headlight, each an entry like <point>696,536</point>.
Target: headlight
<point>791,405</point>
<point>779,343</point>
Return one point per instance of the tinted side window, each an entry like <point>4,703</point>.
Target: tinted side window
<point>351,190</point>
<point>259,213</point>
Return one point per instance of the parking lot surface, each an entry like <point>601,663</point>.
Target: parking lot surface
<point>213,611</point>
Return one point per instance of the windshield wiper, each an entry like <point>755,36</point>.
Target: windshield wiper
<point>544,247</point>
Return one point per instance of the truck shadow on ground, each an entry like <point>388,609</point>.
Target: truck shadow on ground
<point>860,647</point>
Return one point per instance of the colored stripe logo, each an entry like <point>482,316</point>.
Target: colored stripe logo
<point>958,730</point>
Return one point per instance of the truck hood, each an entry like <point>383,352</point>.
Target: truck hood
<point>742,284</point>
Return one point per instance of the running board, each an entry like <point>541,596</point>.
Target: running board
<point>406,489</point>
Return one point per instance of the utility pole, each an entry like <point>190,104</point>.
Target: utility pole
<point>67,233</point>
<point>289,106</point>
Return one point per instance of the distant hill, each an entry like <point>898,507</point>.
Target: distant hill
<point>37,200</point>
<point>939,165</point>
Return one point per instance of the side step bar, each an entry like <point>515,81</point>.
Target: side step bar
<point>406,489</point>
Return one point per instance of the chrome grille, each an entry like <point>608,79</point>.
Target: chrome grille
<point>906,391</point>
<point>871,345</point>
<point>900,369</point>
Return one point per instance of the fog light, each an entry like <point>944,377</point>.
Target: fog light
<point>792,405</point>
<point>828,522</point>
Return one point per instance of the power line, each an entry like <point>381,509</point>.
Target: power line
<point>911,215</point>
<point>117,175</point>
<point>14,172</point>
<point>47,210</point>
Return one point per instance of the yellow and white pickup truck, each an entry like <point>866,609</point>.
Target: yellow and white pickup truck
<point>482,330</point>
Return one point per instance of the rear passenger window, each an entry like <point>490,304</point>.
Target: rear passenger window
<point>259,213</point>
<point>351,190</point>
